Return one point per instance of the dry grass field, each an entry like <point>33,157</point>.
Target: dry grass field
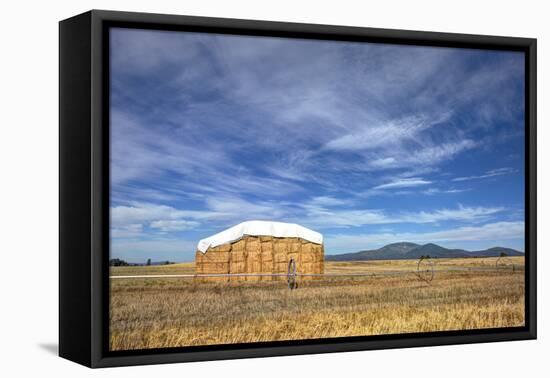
<point>175,312</point>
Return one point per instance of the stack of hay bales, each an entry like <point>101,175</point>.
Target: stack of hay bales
<point>257,247</point>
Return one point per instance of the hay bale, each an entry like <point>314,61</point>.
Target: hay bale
<point>280,257</point>
<point>281,246</point>
<point>238,245</point>
<point>261,254</point>
<point>199,266</point>
<point>267,247</point>
<point>217,257</point>
<point>254,263</point>
<point>266,255</point>
<point>252,244</point>
<point>224,247</point>
<point>238,256</point>
<point>295,246</point>
<point>307,257</point>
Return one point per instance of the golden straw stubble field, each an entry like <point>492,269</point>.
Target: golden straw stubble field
<point>174,312</point>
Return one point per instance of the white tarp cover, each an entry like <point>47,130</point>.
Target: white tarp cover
<point>260,228</point>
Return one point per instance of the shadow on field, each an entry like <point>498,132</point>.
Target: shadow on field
<point>51,348</point>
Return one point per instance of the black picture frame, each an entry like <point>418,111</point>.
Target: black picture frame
<point>84,187</point>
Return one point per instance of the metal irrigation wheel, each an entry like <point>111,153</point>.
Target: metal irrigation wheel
<point>425,269</point>
<point>291,277</point>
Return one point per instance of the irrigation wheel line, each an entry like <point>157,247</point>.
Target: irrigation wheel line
<point>296,274</point>
<point>366,275</point>
<point>425,271</point>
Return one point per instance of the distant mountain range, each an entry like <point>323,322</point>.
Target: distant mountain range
<point>404,250</point>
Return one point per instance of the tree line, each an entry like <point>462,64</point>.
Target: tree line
<point>120,262</point>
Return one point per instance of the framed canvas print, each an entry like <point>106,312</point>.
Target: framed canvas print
<point>233,188</point>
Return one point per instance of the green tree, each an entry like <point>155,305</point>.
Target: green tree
<point>118,262</point>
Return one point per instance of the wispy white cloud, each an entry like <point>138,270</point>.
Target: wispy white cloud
<point>235,207</point>
<point>375,136</point>
<point>496,232</point>
<point>462,213</point>
<point>432,191</point>
<point>139,213</point>
<point>403,183</point>
<point>129,220</point>
<point>428,156</point>
<point>173,225</point>
<point>131,230</point>
<point>488,174</point>
<point>323,216</point>
<point>142,153</point>
<point>328,201</point>
<point>331,218</point>
<point>318,213</point>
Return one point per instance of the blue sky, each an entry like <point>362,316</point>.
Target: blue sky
<point>368,144</point>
